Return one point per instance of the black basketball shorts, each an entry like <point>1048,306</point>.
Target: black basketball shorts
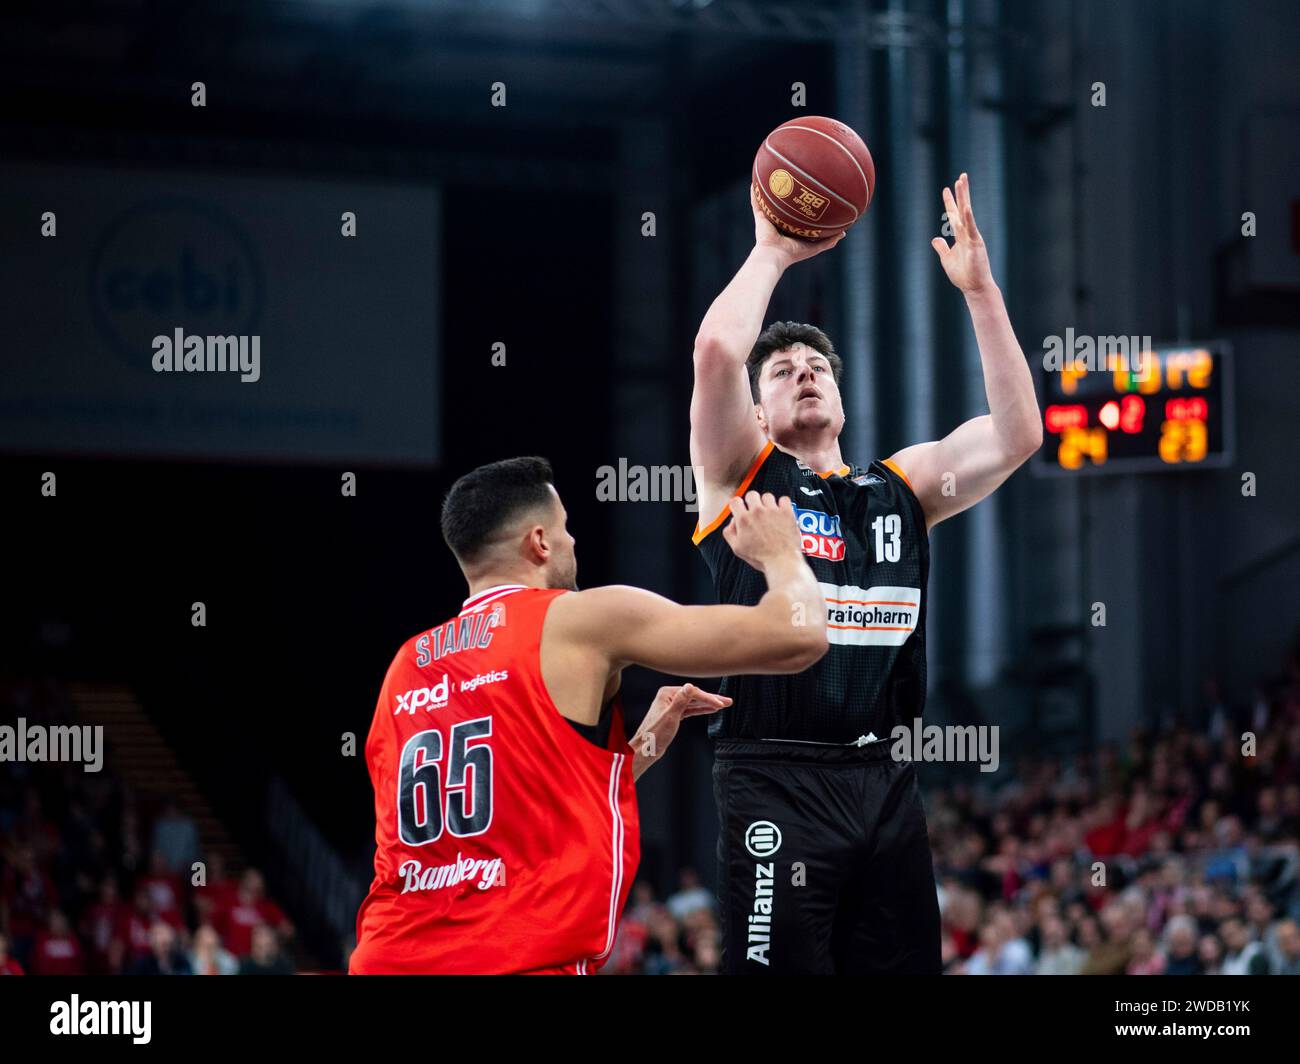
<point>824,862</point>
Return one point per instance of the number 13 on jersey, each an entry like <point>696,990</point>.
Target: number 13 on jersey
<point>889,530</point>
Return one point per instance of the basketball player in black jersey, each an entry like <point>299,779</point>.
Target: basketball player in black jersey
<point>824,859</point>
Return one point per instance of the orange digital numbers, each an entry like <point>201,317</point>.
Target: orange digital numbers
<point>1078,444</point>
<point>1194,366</point>
<point>1183,441</point>
<point>1145,407</point>
<point>1070,374</point>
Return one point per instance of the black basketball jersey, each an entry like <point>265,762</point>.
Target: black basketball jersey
<point>863,532</point>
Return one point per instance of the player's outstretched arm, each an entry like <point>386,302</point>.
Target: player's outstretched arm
<point>784,632</point>
<point>956,472</point>
<point>725,435</point>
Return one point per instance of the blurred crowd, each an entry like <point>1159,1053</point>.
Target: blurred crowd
<point>94,882</point>
<point>1182,858</point>
<point>1179,855</point>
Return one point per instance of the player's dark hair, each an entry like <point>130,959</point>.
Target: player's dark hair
<point>488,498</point>
<point>782,334</point>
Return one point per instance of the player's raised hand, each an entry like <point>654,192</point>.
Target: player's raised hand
<point>790,249</point>
<point>966,262</point>
<point>762,530</point>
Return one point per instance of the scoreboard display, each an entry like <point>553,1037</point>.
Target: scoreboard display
<point>1163,408</point>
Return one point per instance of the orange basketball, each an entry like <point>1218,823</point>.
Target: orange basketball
<point>813,177</point>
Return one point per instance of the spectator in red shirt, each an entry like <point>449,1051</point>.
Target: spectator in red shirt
<point>164,887</point>
<point>134,930</point>
<point>250,909</point>
<point>57,951</point>
<point>8,965</point>
<point>1140,824</point>
<point>26,897</point>
<point>101,924</point>
<point>629,945</point>
<point>217,893</point>
<point>1106,836</point>
<point>961,916</point>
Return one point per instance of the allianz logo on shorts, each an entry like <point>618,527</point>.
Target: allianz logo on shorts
<point>762,838</point>
<point>877,616</point>
<point>819,534</point>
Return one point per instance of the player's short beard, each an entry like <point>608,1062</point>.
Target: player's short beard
<point>816,422</point>
<point>564,579</point>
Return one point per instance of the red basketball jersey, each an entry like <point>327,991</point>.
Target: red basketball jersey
<point>506,842</point>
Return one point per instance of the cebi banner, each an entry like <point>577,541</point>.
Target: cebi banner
<point>176,314</point>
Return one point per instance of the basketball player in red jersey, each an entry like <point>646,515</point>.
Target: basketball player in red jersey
<point>505,806</point>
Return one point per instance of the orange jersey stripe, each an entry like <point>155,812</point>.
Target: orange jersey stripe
<point>894,466</point>
<point>713,525</point>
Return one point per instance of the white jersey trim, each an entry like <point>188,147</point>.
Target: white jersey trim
<point>491,594</point>
<point>617,842</point>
